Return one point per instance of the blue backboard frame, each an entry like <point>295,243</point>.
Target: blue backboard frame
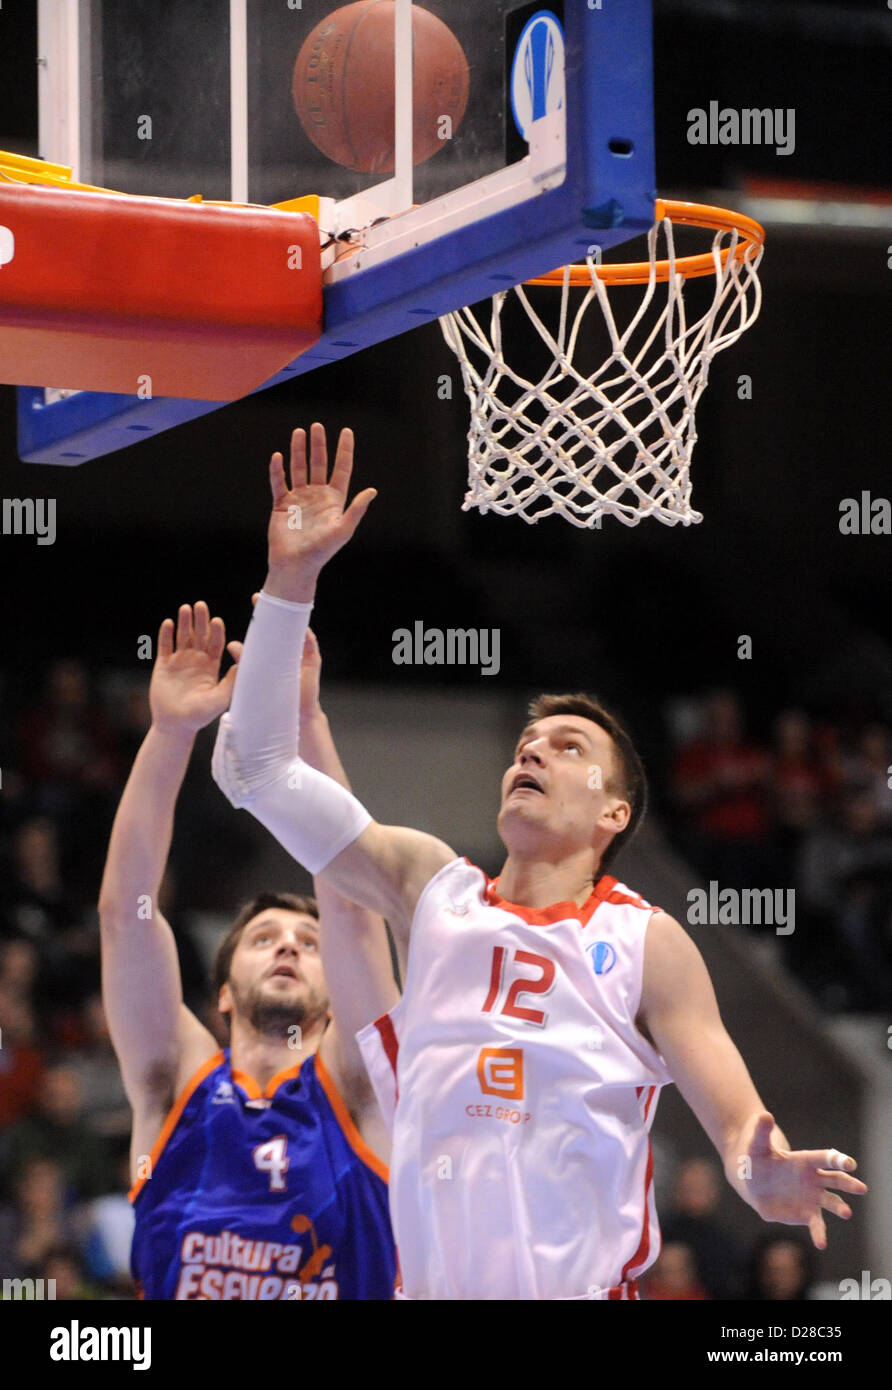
<point>606,198</point>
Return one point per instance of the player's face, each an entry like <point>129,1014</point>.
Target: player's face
<point>556,791</point>
<point>275,978</point>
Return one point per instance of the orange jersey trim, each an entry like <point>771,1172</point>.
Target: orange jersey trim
<point>252,1089</point>
<point>170,1123</point>
<point>557,912</point>
<point>345,1120</point>
<point>633,899</point>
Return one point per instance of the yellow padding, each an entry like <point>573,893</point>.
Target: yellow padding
<point>21,168</point>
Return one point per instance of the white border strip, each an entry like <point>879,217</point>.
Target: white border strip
<point>58,83</point>
<point>238,99</point>
<point>403,113</point>
<point>544,168</point>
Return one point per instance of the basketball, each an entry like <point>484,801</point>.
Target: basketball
<point>343,85</point>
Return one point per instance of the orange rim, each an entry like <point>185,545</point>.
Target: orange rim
<point>689,214</point>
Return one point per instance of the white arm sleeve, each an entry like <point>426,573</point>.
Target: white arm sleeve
<point>256,763</point>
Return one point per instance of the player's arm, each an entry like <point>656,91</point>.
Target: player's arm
<point>680,1016</point>
<point>257,760</point>
<point>356,957</point>
<point>159,1042</point>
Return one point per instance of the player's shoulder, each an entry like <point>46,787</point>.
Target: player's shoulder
<point>619,894</point>
<point>672,959</point>
<point>198,1052</point>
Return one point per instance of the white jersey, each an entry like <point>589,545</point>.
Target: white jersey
<point>520,1095</point>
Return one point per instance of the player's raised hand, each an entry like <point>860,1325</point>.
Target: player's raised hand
<point>186,691</point>
<point>310,670</point>
<point>310,519</point>
<point>794,1187</point>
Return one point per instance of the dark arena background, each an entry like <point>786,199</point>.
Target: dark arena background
<point>749,655</point>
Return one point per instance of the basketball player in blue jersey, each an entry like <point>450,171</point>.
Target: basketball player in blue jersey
<point>542,1011</point>
<point>259,1171</point>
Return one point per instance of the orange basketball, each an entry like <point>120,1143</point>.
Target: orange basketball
<point>343,85</point>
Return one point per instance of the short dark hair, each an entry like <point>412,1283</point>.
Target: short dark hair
<point>291,902</point>
<point>631,782</point>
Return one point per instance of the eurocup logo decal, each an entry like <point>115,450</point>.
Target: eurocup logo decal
<point>602,956</point>
<point>537,73</point>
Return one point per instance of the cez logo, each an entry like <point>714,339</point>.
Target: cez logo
<point>603,957</point>
<point>537,72</point>
<point>500,1072</point>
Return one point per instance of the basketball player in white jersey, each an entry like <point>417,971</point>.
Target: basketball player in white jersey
<point>542,1012</point>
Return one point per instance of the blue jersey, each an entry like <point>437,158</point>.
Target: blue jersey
<point>262,1194</point>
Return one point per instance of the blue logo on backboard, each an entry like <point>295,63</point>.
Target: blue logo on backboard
<point>537,71</point>
<point>603,957</point>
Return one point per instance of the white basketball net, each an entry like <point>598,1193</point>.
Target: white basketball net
<point>615,442</point>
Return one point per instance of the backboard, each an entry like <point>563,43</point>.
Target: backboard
<point>551,154</point>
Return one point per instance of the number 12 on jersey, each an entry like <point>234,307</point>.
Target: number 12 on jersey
<point>521,984</point>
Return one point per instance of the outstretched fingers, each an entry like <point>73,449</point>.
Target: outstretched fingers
<point>216,639</point>
<point>278,483</point>
<point>817,1229</point>
<point>298,458</point>
<point>830,1202</point>
<point>358,508</point>
<point>318,455</point>
<point>343,464</point>
<point>832,1158</point>
<point>842,1182</point>
<point>201,620</point>
<point>165,639</point>
<point>184,627</point>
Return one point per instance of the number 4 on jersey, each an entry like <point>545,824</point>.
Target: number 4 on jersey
<point>521,985</point>
<point>272,1157</point>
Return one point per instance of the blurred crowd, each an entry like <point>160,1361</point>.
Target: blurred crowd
<point>812,808</point>
<point>64,1117</point>
<point>808,809</point>
<point>700,1260</point>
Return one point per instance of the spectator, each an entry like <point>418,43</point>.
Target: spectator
<point>721,782</point>
<point>674,1275</point>
<point>108,1235</point>
<point>65,741</point>
<point>781,1270</point>
<point>106,1108</point>
<point>133,723</point>
<point>845,882</point>
<point>692,1222</point>
<point>19,964</point>
<point>68,752</point>
<point>868,771</point>
<point>41,908</point>
<point>801,784</point>
<point>56,1130</point>
<point>21,1060</point>
<point>62,1264</point>
<point>36,1220</point>
<point>38,905</point>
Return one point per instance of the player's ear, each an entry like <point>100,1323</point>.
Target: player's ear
<point>224,1000</point>
<point>615,816</point>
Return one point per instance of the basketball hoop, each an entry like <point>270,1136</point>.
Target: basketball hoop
<point>616,442</point>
